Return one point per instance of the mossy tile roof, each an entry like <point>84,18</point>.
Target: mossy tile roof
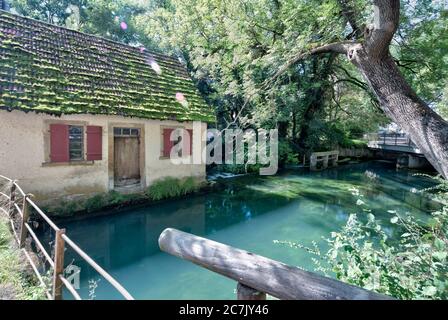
<point>50,69</point>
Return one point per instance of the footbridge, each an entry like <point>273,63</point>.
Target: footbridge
<point>400,146</point>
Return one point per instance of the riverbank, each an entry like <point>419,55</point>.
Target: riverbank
<point>113,203</point>
<point>16,279</point>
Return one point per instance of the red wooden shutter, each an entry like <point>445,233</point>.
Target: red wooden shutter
<point>188,147</point>
<point>59,143</point>
<point>94,143</point>
<point>167,143</point>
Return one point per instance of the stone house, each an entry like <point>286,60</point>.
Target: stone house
<point>81,115</point>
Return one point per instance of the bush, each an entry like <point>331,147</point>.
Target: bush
<point>286,154</point>
<point>171,187</point>
<point>95,203</point>
<point>413,267</point>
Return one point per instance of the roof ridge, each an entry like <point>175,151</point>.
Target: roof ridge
<point>152,52</point>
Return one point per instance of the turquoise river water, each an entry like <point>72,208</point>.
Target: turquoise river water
<point>248,212</point>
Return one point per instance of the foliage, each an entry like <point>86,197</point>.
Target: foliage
<point>286,153</point>
<point>364,254</point>
<point>414,268</point>
<point>438,192</point>
<point>51,11</point>
<point>67,208</point>
<point>171,187</point>
<point>233,48</point>
<point>422,49</point>
<point>15,281</point>
<point>98,17</point>
<point>112,198</point>
<point>162,189</point>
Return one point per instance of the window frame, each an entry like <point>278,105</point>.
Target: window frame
<point>47,142</point>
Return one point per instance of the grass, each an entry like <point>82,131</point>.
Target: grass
<point>357,143</point>
<point>171,188</point>
<point>16,283</point>
<point>162,189</point>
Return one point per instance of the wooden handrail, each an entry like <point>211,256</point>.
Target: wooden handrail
<point>259,273</point>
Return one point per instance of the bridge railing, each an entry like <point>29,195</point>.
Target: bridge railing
<point>17,206</point>
<point>256,275</point>
<point>390,139</point>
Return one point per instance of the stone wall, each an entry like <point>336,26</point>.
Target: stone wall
<point>24,155</point>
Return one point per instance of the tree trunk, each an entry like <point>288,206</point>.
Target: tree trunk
<point>426,128</point>
<point>399,101</point>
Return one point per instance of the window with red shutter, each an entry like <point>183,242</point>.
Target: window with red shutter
<point>94,143</point>
<point>59,149</point>
<point>76,143</point>
<point>188,142</point>
<point>167,143</point>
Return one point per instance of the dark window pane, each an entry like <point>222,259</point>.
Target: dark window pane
<point>76,145</point>
<point>126,131</point>
<point>75,130</point>
<point>134,132</point>
<point>117,131</point>
<point>75,154</point>
<point>75,138</point>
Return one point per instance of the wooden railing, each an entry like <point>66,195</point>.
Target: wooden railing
<point>256,275</point>
<point>16,206</point>
<point>324,160</point>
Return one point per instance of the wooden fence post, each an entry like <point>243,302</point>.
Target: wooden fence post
<point>58,264</point>
<point>12,198</point>
<point>25,217</point>
<point>246,293</point>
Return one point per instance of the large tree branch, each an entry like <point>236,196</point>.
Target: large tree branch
<point>337,47</point>
<point>349,13</point>
<point>379,36</point>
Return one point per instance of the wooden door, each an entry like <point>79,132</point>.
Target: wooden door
<point>127,160</point>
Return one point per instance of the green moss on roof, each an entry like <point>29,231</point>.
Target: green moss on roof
<point>49,69</point>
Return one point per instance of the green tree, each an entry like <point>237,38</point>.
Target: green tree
<point>51,11</point>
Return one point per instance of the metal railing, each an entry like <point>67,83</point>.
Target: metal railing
<point>390,139</point>
<point>17,207</point>
<point>256,275</point>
